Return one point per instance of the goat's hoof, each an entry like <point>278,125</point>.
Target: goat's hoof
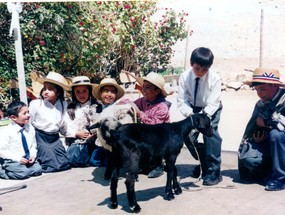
<point>135,208</point>
<point>169,196</point>
<point>177,190</point>
<point>114,205</point>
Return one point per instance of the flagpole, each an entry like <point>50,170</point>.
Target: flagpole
<point>15,9</point>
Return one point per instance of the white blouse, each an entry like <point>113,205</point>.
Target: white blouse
<point>48,117</point>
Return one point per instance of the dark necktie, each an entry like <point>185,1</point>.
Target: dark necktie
<point>25,144</point>
<point>195,92</point>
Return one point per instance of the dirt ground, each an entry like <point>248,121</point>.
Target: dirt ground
<point>82,191</point>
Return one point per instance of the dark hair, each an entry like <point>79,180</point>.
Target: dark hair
<point>59,90</point>
<point>256,84</point>
<point>73,97</point>
<point>14,107</point>
<point>60,94</point>
<point>107,85</point>
<point>202,56</point>
<point>71,107</point>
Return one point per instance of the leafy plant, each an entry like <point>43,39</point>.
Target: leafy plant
<point>90,38</point>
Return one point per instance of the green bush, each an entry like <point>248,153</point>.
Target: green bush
<point>90,38</point>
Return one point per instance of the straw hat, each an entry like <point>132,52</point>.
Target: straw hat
<point>156,79</point>
<point>127,77</point>
<point>55,78</point>
<point>81,80</point>
<point>108,82</point>
<point>266,76</point>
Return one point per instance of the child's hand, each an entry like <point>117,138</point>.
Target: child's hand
<point>259,136</point>
<point>82,134</point>
<point>260,122</point>
<point>24,161</point>
<point>32,160</point>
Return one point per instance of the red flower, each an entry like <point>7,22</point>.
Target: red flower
<point>81,23</point>
<point>61,55</point>
<point>126,6</point>
<point>99,2</point>
<point>42,42</point>
<point>37,6</point>
<point>133,19</point>
<point>70,6</point>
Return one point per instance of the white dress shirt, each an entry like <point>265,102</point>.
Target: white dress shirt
<point>11,142</point>
<point>208,94</point>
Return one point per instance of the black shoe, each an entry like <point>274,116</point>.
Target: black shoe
<point>212,179</point>
<point>156,172</point>
<point>274,185</point>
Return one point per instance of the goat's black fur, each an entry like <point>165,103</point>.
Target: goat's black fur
<point>135,146</point>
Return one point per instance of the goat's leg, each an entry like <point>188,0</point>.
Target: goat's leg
<point>176,187</point>
<point>113,187</point>
<point>130,185</point>
<point>170,173</point>
<point>108,171</point>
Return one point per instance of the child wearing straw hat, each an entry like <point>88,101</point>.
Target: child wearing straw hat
<point>262,149</point>
<point>107,93</point>
<point>152,108</point>
<point>47,114</point>
<point>82,112</point>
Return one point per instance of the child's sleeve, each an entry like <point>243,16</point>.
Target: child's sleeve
<point>214,97</point>
<point>184,98</point>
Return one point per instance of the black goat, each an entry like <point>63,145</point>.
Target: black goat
<point>135,146</point>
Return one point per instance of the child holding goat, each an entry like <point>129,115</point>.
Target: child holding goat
<point>200,91</point>
<point>152,109</point>
<point>82,112</point>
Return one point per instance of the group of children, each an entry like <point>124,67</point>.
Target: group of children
<point>32,144</point>
<point>50,118</point>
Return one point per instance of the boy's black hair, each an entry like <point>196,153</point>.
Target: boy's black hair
<point>202,56</point>
<point>14,107</point>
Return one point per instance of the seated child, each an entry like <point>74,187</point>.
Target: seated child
<point>18,148</point>
<point>47,115</point>
<point>107,92</point>
<point>153,108</point>
<point>82,112</point>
